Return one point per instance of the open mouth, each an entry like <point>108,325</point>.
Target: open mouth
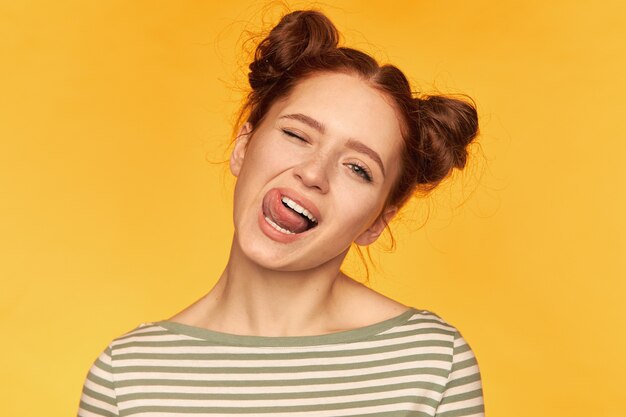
<point>286,215</point>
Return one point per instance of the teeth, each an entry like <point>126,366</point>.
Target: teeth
<point>277,227</point>
<point>297,207</point>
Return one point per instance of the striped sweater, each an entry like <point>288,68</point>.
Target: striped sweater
<point>415,364</point>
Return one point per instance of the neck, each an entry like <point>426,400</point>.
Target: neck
<point>253,300</point>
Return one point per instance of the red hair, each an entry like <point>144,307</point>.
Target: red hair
<point>437,129</point>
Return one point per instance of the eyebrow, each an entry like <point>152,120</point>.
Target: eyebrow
<point>351,143</point>
<point>306,120</point>
<point>363,148</point>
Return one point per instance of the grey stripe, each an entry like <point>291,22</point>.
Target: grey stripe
<point>281,355</point>
<point>425,389</point>
<point>286,409</point>
<point>282,369</point>
<point>95,410</point>
<point>98,396</point>
<point>284,395</point>
<point>283,383</point>
<point>470,411</point>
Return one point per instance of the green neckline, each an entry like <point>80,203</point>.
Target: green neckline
<point>276,341</point>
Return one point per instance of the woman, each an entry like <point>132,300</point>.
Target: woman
<point>331,148</point>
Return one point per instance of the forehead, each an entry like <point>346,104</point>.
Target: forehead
<point>349,109</point>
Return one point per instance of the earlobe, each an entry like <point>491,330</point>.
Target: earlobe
<point>239,151</point>
<point>370,235</point>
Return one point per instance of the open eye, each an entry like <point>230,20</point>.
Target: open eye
<point>361,171</point>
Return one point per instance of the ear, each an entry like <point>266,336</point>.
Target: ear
<point>239,151</point>
<point>370,235</point>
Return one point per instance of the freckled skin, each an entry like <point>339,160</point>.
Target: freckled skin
<point>277,288</point>
<point>320,168</point>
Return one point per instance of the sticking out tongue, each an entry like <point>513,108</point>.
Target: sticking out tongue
<point>285,217</point>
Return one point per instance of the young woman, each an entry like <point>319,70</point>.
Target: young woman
<point>330,146</point>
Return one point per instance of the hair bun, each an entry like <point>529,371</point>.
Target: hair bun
<point>298,35</point>
<point>447,126</point>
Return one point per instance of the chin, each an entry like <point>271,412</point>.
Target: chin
<point>262,254</point>
<point>260,250</point>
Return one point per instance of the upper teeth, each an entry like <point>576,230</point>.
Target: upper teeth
<point>297,207</point>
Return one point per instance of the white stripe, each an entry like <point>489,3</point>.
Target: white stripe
<point>95,370</point>
<point>419,326</point>
<point>99,388</point>
<point>441,381</point>
<point>233,350</point>
<point>104,357</point>
<point>460,357</point>
<point>276,363</point>
<point>322,381</point>
<point>170,337</point>
<point>126,376</point>
<point>470,370</point>
<point>296,402</point>
<point>460,405</point>
<point>143,328</point>
<point>99,404</point>
<point>352,412</point>
<point>85,413</point>
<point>472,386</point>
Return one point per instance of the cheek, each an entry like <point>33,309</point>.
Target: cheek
<point>357,213</point>
<point>268,157</point>
<point>261,164</point>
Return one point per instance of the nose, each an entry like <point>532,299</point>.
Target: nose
<point>313,172</point>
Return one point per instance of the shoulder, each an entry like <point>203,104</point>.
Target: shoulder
<point>431,331</point>
<point>462,392</point>
<point>427,323</point>
<point>460,356</point>
<point>452,351</point>
<point>144,337</point>
<point>141,331</point>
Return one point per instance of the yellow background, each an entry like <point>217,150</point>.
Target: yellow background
<point>110,214</point>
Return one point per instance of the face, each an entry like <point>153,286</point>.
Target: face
<point>329,150</point>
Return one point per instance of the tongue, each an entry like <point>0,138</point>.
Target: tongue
<point>283,216</point>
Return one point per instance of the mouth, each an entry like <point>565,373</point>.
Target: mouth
<point>288,213</point>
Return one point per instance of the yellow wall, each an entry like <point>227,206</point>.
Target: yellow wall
<point>110,215</point>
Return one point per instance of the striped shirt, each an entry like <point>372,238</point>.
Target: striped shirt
<point>415,364</point>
